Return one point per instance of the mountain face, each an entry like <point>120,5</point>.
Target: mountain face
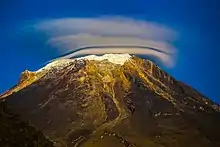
<point>113,100</point>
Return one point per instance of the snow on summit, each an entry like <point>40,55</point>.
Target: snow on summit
<point>114,58</point>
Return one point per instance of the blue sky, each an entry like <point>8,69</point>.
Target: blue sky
<point>195,21</point>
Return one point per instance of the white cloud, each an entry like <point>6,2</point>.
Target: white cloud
<point>81,40</point>
<point>69,34</point>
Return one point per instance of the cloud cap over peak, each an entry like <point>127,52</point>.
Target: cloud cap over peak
<point>71,34</point>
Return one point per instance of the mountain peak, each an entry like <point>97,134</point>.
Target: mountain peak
<point>115,100</point>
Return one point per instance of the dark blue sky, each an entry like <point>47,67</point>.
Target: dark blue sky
<point>195,21</point>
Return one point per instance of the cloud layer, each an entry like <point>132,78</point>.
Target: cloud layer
<point>102,35</point>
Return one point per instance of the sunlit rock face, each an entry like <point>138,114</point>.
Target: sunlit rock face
<point>125,102</point>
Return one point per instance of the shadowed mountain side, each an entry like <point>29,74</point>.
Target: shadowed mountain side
<point>17,133</point>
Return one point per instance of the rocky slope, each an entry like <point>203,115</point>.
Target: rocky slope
<point>121,101</point>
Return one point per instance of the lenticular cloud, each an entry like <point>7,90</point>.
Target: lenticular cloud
<point>83,36</point>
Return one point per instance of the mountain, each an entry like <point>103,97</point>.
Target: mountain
<point>113,100</point>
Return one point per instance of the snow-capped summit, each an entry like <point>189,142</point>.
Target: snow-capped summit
<point>114,58</point>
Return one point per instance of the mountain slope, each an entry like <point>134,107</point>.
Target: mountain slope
<point>17,133</point>
<point>133,103</point>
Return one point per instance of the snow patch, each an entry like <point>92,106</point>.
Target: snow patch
<point>55,64</point>
<point>60,63</point>
<point>114,58</point>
